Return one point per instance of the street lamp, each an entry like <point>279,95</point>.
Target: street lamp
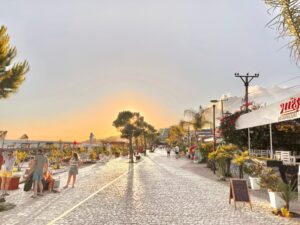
<point>214,122</point>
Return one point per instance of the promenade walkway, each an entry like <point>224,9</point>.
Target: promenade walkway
<point>155,191</point>
<point>43,209</point>
<point>159,191</point>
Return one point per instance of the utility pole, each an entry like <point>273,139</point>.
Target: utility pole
<point>222,106</point>
<point>214,122</point>
<point>246,80</point>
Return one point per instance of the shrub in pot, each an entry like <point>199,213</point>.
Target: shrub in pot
<point>240,158</point>
<point>254,170</point>
<point>287,193</point>
<point>205,149</point>
<point>270,180</point>
<point>221,156</point>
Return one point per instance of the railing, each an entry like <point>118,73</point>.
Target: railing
<point>260,153</point>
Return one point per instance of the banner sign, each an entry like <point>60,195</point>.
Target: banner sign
<point>287,109</point>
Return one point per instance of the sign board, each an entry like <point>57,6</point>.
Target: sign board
<point>239,191</point>
<point>287,109</point>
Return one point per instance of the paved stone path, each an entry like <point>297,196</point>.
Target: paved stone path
<point>158,191</point>
<point>41,210</point>
<point>154,191</point>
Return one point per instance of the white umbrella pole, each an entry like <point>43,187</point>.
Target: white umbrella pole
<point>271,141</point>
<point>249,141</point>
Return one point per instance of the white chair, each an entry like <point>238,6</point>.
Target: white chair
<point>277,155</point>
<point>287,158</point>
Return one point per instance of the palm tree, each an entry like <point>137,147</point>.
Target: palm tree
<point>194,121</point>
<point>176,134</point>
<point>287,22</point>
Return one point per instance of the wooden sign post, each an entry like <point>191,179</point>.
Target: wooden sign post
<point>239,192</point>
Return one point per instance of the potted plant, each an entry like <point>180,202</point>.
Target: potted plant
<point>270,180</point>
<point>287,193</point>
<point>240,159</point>
<point>205,149</point>
<point>220,157</point>
<point>254,171</point>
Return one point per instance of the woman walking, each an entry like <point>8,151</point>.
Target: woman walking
<point>6,171</point>
<point>74,164</point>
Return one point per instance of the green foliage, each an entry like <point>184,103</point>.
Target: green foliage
<point>287,22</point>
<point>56,156</point>
<point>260,136</point>
<point>11,75</point>
<point>269,179</point>
<point>126,123</point>
<point>221,156</point>
<point>205,149</point>
<point>133,127</point>
<point>20,156</point>
<point>193,122</point>
<point>241,157</point>
<point>176,135</point>
<point>93,155</point>
<point>230,134</point>
<point>254,169</point>
<point>287,193</point>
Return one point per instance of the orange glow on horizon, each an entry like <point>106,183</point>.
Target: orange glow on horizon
<point>96,118</point>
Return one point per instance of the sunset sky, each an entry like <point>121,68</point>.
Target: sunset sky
<point>91,59</point>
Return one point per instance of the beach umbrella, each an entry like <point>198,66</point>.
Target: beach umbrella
<point>24,137</point>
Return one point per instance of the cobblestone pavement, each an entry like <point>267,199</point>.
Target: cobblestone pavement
<point>159,191</point>
<point>41,210</point>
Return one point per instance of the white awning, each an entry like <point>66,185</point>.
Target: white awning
<point>287,109</point>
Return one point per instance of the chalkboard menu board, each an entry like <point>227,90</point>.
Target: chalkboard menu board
<point>239,191</point>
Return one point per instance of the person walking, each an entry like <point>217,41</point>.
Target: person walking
<point>168,151</point>
<point>39,166</point>
<point>73,171</point>
<point>6,171</point>
<point>177,151</point>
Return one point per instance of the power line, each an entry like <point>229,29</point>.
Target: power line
<point>282,82</point>
<point>246,80</point>
<point>238,100</point>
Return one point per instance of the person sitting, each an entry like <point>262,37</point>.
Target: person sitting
<point>48,181</point>
<point>29,170</point>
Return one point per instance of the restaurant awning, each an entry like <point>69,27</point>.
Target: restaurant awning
<point>287,109</point>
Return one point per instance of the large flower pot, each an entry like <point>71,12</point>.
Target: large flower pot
<point>275,200</point>
<point>255,183</point>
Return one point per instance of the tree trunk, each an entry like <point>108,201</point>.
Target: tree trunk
<point>130,150</point>
<point>241,172</point>
<point>196,139</point>
<point>228,163</point>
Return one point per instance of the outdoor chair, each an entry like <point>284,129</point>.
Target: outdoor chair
<point>277,155</point>
<point>287,159</point>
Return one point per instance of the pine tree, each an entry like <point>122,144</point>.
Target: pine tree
<point>12,74</point>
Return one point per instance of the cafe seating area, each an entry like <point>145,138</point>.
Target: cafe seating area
<point>287,157</point>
